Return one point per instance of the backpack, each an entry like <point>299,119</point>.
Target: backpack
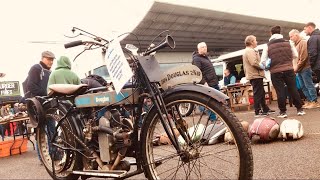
<point>98,78</point>
<point>263,130</point>
<point>214,133</point>
<point>291,128</point>
<point>195,132</point>
<point>228,138</point>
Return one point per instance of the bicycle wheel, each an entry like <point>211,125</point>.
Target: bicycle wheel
<point>65,161</point>
<point>185,109</point>
<point>197,159</point>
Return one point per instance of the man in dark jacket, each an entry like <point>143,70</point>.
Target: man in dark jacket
<point>201,60</point>
<point>282,52</point>
<point>38,76</point>
<point>313,47</point>
<point>37,82</point>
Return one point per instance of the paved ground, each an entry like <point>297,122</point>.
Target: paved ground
<point>276,160</point>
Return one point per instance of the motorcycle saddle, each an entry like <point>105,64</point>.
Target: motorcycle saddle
<point>66,89</point>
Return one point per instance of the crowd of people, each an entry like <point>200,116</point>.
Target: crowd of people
<point>287,62</point>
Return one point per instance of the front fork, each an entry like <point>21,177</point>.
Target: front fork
<point>165,118</point>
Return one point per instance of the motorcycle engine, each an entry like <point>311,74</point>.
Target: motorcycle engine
<point>108,145</point>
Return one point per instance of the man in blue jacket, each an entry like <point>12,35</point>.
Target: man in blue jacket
<point>228,78</point>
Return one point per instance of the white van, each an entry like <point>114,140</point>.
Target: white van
<point>234,62</point>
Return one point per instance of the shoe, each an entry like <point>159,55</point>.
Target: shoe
<point>261,114</point>
<point>271,111</point>
<point>306,104</point>
<point>282,115</point>
<point>301,113</point>
<point>317,104</point>
<point>311,105</point>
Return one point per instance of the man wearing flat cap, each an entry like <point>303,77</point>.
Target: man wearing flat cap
<point>37,80</point>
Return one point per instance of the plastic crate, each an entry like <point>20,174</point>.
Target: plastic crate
<point>6,145</point>
<point>5,148</point>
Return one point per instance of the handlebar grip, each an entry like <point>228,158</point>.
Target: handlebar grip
<point>73,44</point>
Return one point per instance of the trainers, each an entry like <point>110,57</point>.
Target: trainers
<point>271,111</point>
<point>311,105</point>
<point>282,115</point>
<point>301,113</point>
<point>317,104</point>
<point>306,104</point>
<point>261,114</point>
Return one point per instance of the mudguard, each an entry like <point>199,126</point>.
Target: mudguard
<point>35,112</point>
<point>215,94</point>
<point>73,119</point>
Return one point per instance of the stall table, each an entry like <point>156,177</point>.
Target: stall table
<point>238,94</point>
<point>23,127</point>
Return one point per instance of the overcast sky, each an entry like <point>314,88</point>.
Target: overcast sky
<point>23,22</point>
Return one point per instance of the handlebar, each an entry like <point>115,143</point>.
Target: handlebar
<point>167,42</point>
<point>79,42</point>
<point>73,44</point>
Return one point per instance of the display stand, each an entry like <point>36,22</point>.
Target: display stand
<point>25,134</point>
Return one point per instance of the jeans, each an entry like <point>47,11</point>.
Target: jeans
<point>259,95</point>
<point>279,80</point>
<point>308,89</point>
<point>50,129</point>
<point>212,115</point>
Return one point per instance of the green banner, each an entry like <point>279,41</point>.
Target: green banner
<point>9,88</point>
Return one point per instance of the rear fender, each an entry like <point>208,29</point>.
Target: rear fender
<point>73,118</point>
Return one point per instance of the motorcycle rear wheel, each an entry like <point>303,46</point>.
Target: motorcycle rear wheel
<point>186,109</point>
<point>65,161</point>
<point>222,160</point>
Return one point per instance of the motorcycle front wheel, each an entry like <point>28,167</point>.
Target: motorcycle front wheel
<point>205,155</point>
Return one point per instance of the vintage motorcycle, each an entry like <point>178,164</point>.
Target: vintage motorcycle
<point>86,133</point>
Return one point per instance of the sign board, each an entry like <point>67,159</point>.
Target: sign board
<point>9,88</point>
<point>117,65</point>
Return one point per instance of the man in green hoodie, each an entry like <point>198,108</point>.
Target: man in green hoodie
<point>63,74</point>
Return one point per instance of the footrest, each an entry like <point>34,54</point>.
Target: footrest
<point>102,173</point>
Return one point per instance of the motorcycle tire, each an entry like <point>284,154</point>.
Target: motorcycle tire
<point>196,159</point>
<point>65,161</point>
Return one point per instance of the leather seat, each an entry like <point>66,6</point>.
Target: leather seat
<point>65,89</point>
